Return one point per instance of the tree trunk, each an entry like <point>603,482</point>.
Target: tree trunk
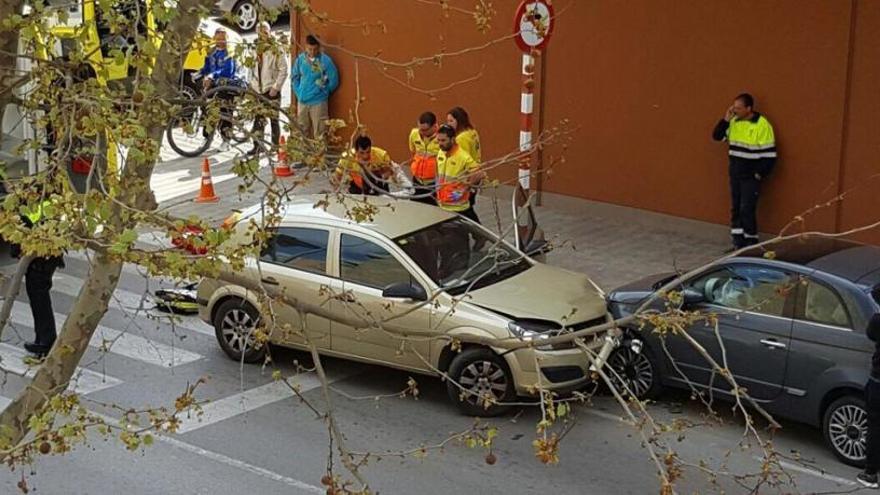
<point>92,302</point>
<point>12,290</point>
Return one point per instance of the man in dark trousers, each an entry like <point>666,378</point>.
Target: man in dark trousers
<point>868,477</point>
<point>751,157</point>
<point>38,284</point>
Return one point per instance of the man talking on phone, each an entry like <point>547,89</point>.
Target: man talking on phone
<point>751,157</point>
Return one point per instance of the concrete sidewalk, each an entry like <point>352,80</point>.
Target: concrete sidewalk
<point>612,244</point>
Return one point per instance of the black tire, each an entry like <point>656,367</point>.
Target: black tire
<point>233,317</point>
<point>182,141</point>
<point>638,371</point>
<point>244,15</point>
<point>477,369</point>
<point>845,428</point>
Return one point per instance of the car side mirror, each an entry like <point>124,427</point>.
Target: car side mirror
<point>405,290</point>
<point>690,297</point>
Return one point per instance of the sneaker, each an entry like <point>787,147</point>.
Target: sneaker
<point>868,480</point>
<point>224,146</point>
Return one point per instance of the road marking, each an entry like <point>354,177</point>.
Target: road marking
<point>248,400</point>
<point>813,472</point>
<point>122,343</point>
<point>224,459</point>
<point>84,381</point>
<point>229,461</point>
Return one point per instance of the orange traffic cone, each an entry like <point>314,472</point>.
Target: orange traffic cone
<point>282,168</point>
<point>206,194</point>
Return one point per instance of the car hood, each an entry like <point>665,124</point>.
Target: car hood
<point>543,292</point>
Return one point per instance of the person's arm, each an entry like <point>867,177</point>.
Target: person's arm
<point>475,173</point>
<point>768,151</point>
<point>720,131</point>
<point>280,71</point>
<point>331,73</point>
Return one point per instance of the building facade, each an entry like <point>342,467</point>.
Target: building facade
<point>637,87</point>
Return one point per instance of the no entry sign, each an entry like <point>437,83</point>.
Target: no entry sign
<point>533,24</point>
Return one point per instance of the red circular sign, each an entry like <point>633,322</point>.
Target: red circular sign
<point>533,24</point>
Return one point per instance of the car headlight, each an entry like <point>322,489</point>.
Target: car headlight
<point>532,331</point>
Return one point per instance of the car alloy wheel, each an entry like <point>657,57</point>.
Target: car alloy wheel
<point>634,369</point>
<point>483,380</point>
<point>245,13</point>
<point>235,323</point>
<point>238,330</point>
<point>847,430</point>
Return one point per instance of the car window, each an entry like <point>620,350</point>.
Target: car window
<point>300,248</point>
<point>460,256</point>
<point>366,263</point>
<point>823,305</point>
<point>750,288</point>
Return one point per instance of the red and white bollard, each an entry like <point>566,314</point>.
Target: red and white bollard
<point>527,104</point>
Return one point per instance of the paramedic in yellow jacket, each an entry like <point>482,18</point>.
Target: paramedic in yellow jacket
<point>424,150</point>
<point>467,138</point>
<point>457,174</point>
<point>368,169</point>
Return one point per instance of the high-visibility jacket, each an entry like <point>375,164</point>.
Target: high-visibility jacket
<point>424,156</point>
<point>453,169</point>
<point>380,162</point>
<point>469,141</point>
<point>751,144</point>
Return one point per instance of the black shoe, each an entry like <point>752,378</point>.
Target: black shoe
<point>253,152</point>
<point>38,350</point>
<point>868,480</point>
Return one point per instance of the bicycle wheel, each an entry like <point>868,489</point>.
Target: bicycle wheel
<point>241,127</point>
<point>187,134</point>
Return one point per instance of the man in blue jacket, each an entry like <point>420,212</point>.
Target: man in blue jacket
<point>313,77</point>
<point>220,70</point>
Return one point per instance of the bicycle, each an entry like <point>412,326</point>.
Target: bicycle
<point>192,130</point>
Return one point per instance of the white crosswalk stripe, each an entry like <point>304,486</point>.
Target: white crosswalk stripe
<point>84,381</point>
<point>248,400</point>
<point>122,343</point>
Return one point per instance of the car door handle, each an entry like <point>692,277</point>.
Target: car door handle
<point>773,344</point>
<point>269,280</point>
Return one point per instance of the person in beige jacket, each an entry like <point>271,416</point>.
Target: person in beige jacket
<point>267,79</point>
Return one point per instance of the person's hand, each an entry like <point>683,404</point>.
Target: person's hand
<point>273,93</point>
<point>729,114</point>
<point>206,83</point>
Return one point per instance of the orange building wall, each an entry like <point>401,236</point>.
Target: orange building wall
<point>642,83</point>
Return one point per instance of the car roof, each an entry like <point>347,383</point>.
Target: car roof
<point>392,218</point>
<point>854,261</point>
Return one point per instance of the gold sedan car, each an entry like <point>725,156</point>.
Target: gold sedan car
<point>434,289</point>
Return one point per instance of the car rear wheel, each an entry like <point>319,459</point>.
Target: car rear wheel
<point>845,426</point>
<point>636,370</point>
<point>245,15</point>
<point>485,382</point>
<point>235,324</point>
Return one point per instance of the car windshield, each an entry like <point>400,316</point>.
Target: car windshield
<point>460,256</point>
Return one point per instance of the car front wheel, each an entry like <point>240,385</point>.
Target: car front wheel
<point>637,371</point>
<point>845,427</point>
<point>485,382</point>
<point>235,324</point>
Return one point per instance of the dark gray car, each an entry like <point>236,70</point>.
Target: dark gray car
<point>793,325</point>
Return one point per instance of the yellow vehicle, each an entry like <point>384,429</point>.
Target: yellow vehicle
<point>86,22</point>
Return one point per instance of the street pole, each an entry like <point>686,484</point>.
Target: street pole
<point>527,105</point>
